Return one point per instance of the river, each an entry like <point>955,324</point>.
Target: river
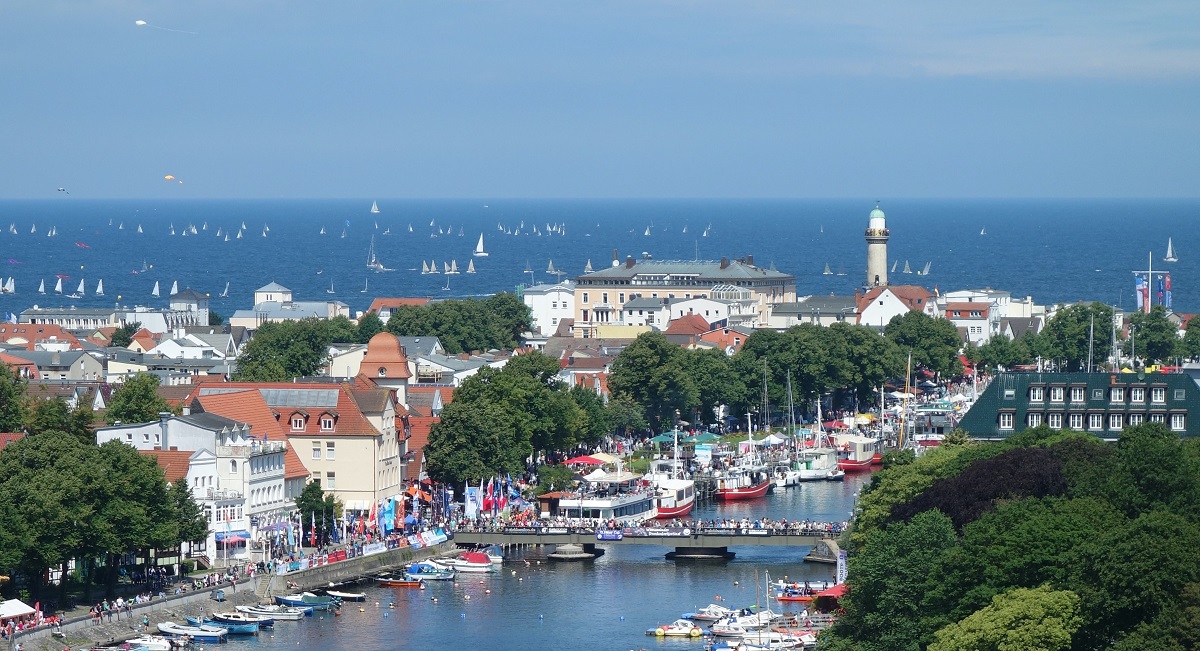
<point>607,603</point>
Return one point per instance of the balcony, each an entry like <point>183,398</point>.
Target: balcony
<point>603,307</point>
<point>254,449</point>
<point>222,495</point>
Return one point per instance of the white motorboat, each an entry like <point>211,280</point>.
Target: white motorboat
<point>152,643</point>
<point>198,633</point>
<point>276,612</point>
<point>710,613</point>
<point>470,563</point>
<point>347,596</point>
<point>677,628</point>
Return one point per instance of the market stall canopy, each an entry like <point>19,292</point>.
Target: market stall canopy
<point>900,395</point>
<point>834,424</point>
<point>837,592</point>
<point>662,438</point>
<point>603,457</point>
<point>584,460</point>
<point>413,491</point>
<point>702,437</point>
<point>774,440</point>
<point>14,608</point>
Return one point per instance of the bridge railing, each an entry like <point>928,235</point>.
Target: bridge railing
<point>829,531</point>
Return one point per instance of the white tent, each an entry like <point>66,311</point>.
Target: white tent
<point>773,440</point>
<point>14,608</point>
<point>900,395</point>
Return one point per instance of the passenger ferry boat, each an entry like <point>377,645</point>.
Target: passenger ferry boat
<point>674,496</point>
<point>855,453</point>
<point>620,497</point>
<point>742,482</point>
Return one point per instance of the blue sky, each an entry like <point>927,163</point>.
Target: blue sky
<point>275,98</point>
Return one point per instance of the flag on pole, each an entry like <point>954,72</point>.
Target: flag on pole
<point>1139,287</point>
<point>1162,291</point>
<point>489,502</point>
<point>1167,299</point>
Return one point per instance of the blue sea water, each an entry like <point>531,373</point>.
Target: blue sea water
<point>1052,250</point>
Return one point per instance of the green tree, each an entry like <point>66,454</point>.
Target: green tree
<point>189,517</point>
<point>123,336</point>
<point>592,405</point>
<point>215,318</point>
<point>1190,344</point>
<point>625,415</point>
<point>280,352</point>
<point>1154,336</point>
<point>13,401</point>
<point>318,512</point>
<point>474,441</point>
<point>934,342</point>
<point>651,370</point>
<point>1002,352</point>
<point>369,325</point>
<point>136,401</point>
<point>554,478</point>
<point>465,325</point>
<point>340,329</point>
<point>55,414</point>
<point>1030,619</point>
<point>1068,334</point>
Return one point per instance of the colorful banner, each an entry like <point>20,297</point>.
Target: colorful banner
<point>1139,289</point>
<point>841,567</point>
<point>1167,297</point>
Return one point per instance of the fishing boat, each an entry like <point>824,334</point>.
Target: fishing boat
<point>307,600</point>
<point>471,563</point>
<point>277,612</point>
<point>389,581</point>
<point>677,628</point>
<point>742,482</point>
<point>197,633</point>
<point>710,613</point>
<point>479,252</point>
<point>427,571</point>
<point>1170,252</point>
<point>238,617</point>
<point>855,453</point>
<point>231,629</point>
<point>374,208</point>
<point>347,596</point>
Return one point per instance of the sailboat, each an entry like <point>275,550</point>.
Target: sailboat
<point>80,291</point>
<point>243,226</point>
<point>587,269</point>
<point>647,231</point>
<point>470,266</point>
<point>454,266</point>
<point>100,287</point>
<point>446,268</point>
<point>983,231</point>
<point>139,228</point>
<point>410,228</point>
<point>227,237</point>
<point>42,287</point>
<point>58,286</point>
<point>12,228</point>
<point>373,263</point>
<point>10,287</point>
<point>121,227</point>
<point>374,208</point>
<point>1170,252</point>
<point>424,267</point>
<point>225,294</point>
<point>153,292</point>
<point>907,269</point>
<point>685,228</point>
<point>172,229</point>
<point>433,268</point>
<point>479,252</point>
<point>239,235</point>
<point>322,230</point>
<point>265,229</point>
<point>827,272</point>
<point>330,290</point>
<point>925,271</point>
<point>365,285</point>
<point>33,229</point>
<point>174,287</point>
<point>894,263</point>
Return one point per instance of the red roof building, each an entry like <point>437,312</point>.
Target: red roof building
<point>175,463</point>
<point>29,335</point>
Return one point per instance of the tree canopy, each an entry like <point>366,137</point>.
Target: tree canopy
<point>465,325</point>
<point>934,342</point>
<point>1066,337</point>
<point>1152,336</point>
<point>123,336</point>
<point>136,401</point>
<point>1049,540</point>
<point>283,351</point>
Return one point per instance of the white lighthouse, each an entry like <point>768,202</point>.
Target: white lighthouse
<point>877,237</point>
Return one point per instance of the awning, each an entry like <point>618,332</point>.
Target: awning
<point>584,460</point>
<point>603,457</point>
<point>14,608</point>
<point>237,535</point>
<point>838,591</point>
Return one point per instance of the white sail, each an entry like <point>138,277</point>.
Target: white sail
<point>907,269</point>
<point>154,292</point>
<point>139,228</point>
<point>243,225</point>
<point>894,263</point>
<point>424,267</point>
<point>227,237</point>
<point>374,208</point>
<point>827,272</point>
<point>479,252</point>
<point>33,229</point>
<point>925,271</point>
<point>81,291</point>
<point>365,285</point>
<point>42,287</point>
<point>454,266</point>
<point>10,287</point>
<point>121,227</point>
<point>445,267</point>
<point>330,290</point>
<point>1170,252</point>
<point>587,269</point>
<point>470,266</point>
<point>322,230</point>
<point>239,235</point>
<point>647,231</point>
<point>225,294</point>
<point>174,288</point>
<point>58,286</point>
<point>433,268</point>
<point>100,287</point>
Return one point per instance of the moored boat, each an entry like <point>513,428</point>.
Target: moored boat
<point>470,562</point>
<point>677,628</point>
<point>855,453</point>
<point>154,643</point>
<point>231,628</point>
<point>277,612</point>
<point>428,572</point>
<point>614,496</point>
<point>710,613</point>
<point>741,483</point>
<point>398,582</point>
<point>197,633</point>
<point>308,599</point>
<point>238,617</point>
<point>347,596</point>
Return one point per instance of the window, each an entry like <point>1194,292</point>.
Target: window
<point>1054,421</point>
<point>1157,418</point>
<point>1177,422</point>
<point>129,437</point>
<point>382,371</point>
<point>1006,420</point>
<point>316,479</point>
<point>585,297</point>
<point>330,481</point>
<point>1180,393</point>
<point>1095,422</point>
<point>329,450</point>
<point>1076,421</point>
<point>1117,395</point>
<point>1036,394</point>
<point>1009,394</point>
<point>1098,394</point>
<point>316,451</point>
<point>1114,421</point>
<point>145,437</point>
<point>1136,419</point>
<point>604,298</point>
<point>327,424</point>
<point>233,465</point>
<point>297,423</point>
<point>1033,420</point>
<point>1158,395</point>
<point>1137,394</point>
<point>554,305</point>
<point>1077,394</point>
<point>1056,394</point>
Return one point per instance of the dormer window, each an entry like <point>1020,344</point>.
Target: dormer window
<point>326,423</point>
<point>297,423</point>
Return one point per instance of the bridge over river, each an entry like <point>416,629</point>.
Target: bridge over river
<point>578,543</point>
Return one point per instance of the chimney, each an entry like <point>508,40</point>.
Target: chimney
<point>629,262</point>
<point>750,260</point>
<point>724,263</point>
<point>163,418</point>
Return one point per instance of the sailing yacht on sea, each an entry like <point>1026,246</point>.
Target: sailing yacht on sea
<point>424,267</point>
<point>1170,252</point>
<point>433,268</point>
<point>139,228</point>
<point>374,208</point>
<point>587,269</point>
<point>827,272</point>
<point>174,287</point>
<point>479,252</point>
<point>58,286</point>
<point>894,263</point>
<point>42,287</point>
<point>225,294</point>
<point>907,269</point>
<point>153,292</point>
<point>80,291</point>
<point>322,230</point>
<point>373,263</point>
<point>330,290</point>
<point>470,266</point>
<point>100,287</point>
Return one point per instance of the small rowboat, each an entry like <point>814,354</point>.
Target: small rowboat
<point>393,582</point>
<point>280,613</point>
<point>347,596</point>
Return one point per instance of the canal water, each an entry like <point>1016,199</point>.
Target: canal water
<point>603,604</point>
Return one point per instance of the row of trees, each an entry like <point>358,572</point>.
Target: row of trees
<point>134,401</point>
<point>501,418</point>
<point>1051,540</point>
<point>63,498</point>
<point>280,352</point>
